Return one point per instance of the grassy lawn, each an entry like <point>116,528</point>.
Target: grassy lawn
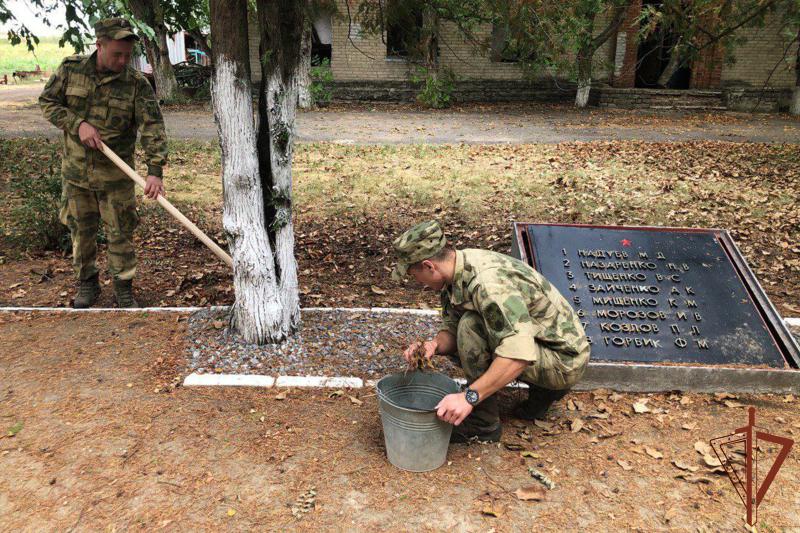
<point>367,193</point>
<point>47,55</point>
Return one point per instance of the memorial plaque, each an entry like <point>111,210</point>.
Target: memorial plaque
<point>660,294</point>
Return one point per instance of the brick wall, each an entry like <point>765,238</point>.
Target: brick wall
<point>759,55</point>
<point>365,57</point>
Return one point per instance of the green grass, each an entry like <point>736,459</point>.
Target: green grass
<point>47,55</point>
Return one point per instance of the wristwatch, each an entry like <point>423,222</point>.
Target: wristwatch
<point>471,396</point>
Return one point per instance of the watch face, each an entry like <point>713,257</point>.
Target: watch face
<point>472,396</point>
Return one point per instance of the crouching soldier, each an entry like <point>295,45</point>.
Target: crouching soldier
<point>94,99</point>
<point>502,320</point>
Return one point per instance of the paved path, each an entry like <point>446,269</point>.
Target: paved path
<point>478,124</point>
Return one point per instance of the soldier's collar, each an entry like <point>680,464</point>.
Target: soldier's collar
<point>457,287</point>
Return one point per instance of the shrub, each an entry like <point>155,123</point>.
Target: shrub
<point>437,86</point>
<point>321,80</point>
<point>36,185</point>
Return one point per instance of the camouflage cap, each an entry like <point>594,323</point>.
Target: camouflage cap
<point>421,242</point>
<point>114,28</point>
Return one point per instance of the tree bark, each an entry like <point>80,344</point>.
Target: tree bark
<point>673,65</point>
<point>258,313</point>
<point>584,78</point>
<point>282,23</point>
<point>794,109</point>
<point>151,13</point>
<point>304,100</point>
<point>430,45</point>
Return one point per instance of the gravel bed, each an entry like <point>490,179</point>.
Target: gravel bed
<point>329,343</point>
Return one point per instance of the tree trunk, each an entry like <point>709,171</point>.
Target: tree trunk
<point>304,72</point>
<point>673,65</point>
<point>795,106</point>
<point>282,24</point>
<point>151,13</point>
<point>258,313</point>
<point>584,77</point>
<point>430,45</point>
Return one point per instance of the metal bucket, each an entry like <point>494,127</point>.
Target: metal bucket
<point>416,440</point>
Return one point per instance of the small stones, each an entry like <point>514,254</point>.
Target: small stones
<point>329,343</point>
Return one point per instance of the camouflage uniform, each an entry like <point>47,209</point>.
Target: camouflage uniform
<point>117,104</point>
<point>499,306</point>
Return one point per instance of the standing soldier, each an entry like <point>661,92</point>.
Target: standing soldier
<point>504,321</point>
<point>94,99</point>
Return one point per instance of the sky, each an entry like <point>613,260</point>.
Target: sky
<point>26,14</point>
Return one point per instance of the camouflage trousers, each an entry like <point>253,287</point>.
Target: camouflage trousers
<point>83,209</point>
<point>475,356</point>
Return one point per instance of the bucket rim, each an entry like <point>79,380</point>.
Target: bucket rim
<point>384,398</point>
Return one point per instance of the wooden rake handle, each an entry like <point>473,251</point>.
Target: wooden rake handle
<point>171,209</point>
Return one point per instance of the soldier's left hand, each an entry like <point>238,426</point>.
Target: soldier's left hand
<point>454,408</point>
<point>154,187</point>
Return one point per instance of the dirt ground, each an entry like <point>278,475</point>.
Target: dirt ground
<point>468,123</point>
<point>103,440</point>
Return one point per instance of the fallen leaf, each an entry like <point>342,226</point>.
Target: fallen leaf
<point>640,407</point>
<point>542,424</point>
<point>730,403</point>
<point>530,493</point>
<point>615,397</point>
<point>624,464</point>
<point>281,396</point>
<point>689,426</point>
<point>683,466</point>
<point>788,398</point>
<point>16,428</point>
<point>720,396</point>
<point>231,512</point>
<point>703,448</point>
<point>355,400</point>
<point>377,290</point>
<point>685,400</point>
<point>711,460</point>
<point>577,425</point>
<point>512,446</point>
<point>218,324</point>
<point>652,452</point>
<point>336,394</point>
<point>532,455</point>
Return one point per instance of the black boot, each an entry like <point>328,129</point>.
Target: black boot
<point>123,291</point>
<point>538,402</point>
<point>87,294</point>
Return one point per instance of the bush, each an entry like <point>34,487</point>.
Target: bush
<point>437,86</point>
<point>321,80</point>
<point>36,185</point>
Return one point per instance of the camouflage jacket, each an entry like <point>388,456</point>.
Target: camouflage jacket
<point>520,308</point>
<point>117,104</point>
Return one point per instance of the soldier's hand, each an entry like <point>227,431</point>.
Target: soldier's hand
<point>430,348</point>
<point>153,187</point>
<point>454,408</point>
<point>89,135</point>
<point>408,355</point>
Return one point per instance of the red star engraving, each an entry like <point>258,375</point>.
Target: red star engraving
<point>625,242</point>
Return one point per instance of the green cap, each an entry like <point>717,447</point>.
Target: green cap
<point>421,242</point>
<point>114,28</point>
